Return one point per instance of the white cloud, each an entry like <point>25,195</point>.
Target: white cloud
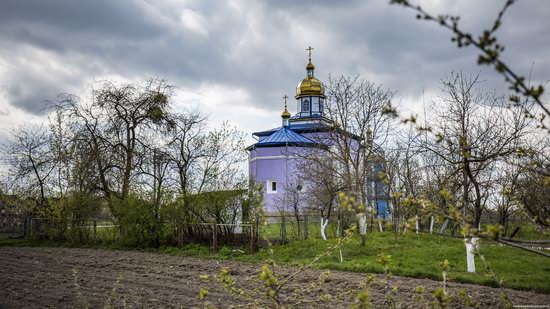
<point>221,103</point>
<point>194,21</point>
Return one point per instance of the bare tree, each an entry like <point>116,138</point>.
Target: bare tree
<point>357,108</point>
<point>30,160</point>
<point>62,147</point>
<point>506,186</point>
<point>203,162</point>
<point>111,128</point>
<point>404,176</point>
<point>442,185</point>
<point>351,146</point>
<point>533,193</point>
<point>533,184</point>
<point>474,129</point>
<point>223,153</point>
<point>292,201</point>
<point>155,170</point>
<point>321,183</point>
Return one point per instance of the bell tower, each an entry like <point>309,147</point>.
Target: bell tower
<point>310,94</point>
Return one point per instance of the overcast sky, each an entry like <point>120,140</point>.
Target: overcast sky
<point>234,60</point>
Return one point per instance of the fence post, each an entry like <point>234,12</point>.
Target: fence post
<point>95,230</point>
<point>306,229</point>
<point>257,234</point>
<point>516,230</point>
<point>214,237</point>
<point>339,226</point>
<point>251,238</point>
<point>283,230</point>
<point>25,226</point>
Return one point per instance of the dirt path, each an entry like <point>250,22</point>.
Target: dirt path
<point>72,278</point>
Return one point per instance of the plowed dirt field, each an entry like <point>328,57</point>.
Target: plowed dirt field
<point>79,278</point>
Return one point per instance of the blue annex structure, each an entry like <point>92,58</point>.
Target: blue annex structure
<point>271,160</point>
<point>377,189</point>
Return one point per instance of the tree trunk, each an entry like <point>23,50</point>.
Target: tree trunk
<point>472,245</point>
<point>443,227</point>
<point>283,230</point>
<point>305,227</point>
<point>324,223</point>
<point>362,220</point>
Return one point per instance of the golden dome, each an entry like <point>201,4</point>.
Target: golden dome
<point>285,113</point>
<point>310,86</point>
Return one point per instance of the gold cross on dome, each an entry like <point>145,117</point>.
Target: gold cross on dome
<point>285,97</point>
<point>309,49</point>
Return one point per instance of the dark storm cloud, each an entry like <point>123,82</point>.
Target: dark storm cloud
<point>50,47</point>
<point>389,46</point>
<point>104,17</point>
<point>76,34</point>
<point>131,39</point>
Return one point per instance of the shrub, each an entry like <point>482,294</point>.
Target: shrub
<point>139,225</point>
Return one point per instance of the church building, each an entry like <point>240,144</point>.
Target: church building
<point>274,160</point>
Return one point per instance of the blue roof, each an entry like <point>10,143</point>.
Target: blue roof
<point>296,128</point>
<point>266,132</point>
<point>285,135</point>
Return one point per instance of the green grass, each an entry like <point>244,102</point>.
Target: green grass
<point>528,231</point>
<point>412,255</point>
<point>273,230</point>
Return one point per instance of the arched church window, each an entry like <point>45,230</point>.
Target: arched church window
<point>305,106</point>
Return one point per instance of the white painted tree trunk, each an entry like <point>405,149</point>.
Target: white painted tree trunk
<point>380,225</point>
<point>362,223</point>
<point>431,224</point>
<point>444,227</point>
<point>472,245</point>
<point>324,223</point>
<point>475,242</point>
<point>417,227</point>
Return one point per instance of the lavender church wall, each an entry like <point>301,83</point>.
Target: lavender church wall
<point>273,164</point>
<point>279,164</point>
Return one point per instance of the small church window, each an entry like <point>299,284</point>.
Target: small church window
<point>305,107</point>
<point>271,186</point>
